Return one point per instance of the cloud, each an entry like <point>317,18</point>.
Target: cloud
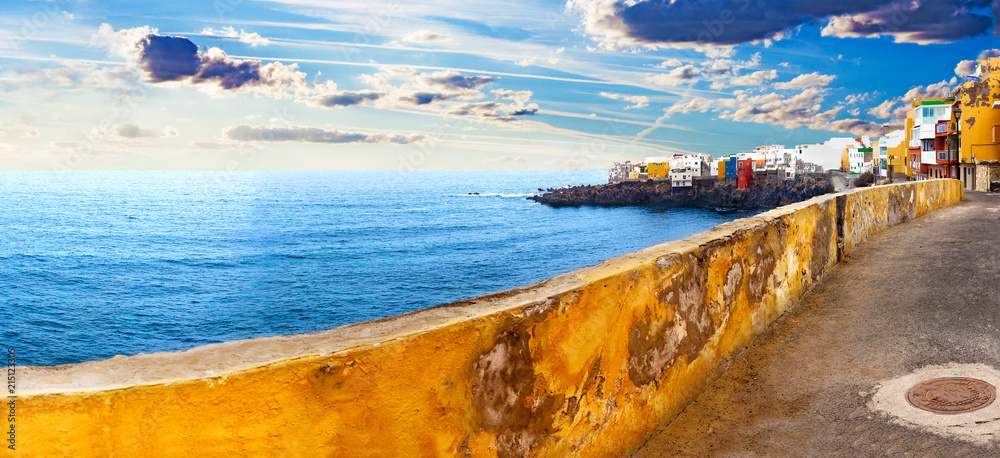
<point>679,75</point>
<point>719,71</point>
<point>935,21</point>
<point>637,101</point>
<point>170,60</point>
<point>800,110</point>
<point>131,130</point>
<point>163,59</point>
<point>343,99</point>
<point>425,36</point>
<point>968,67</point>
<point>896,108</point>
<point>803,81</point>
<point>619,24</point>
<point>31,133</point>
<point>410,87</point>
<point>497,111</point>
<point>301,134</point>
<point>253,39</point>
<point>669,63</point>
<point>754,79</point>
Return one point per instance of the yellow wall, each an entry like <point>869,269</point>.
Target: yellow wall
<point>978,115</point>
<point>845,160</point>
<point>906,144</point>
<point>897,156</point>
<point>658,169</point>
<point>586,364</point>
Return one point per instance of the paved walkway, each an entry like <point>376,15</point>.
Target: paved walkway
<point>923,293</point>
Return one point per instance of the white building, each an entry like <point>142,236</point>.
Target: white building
<point>681,178</point>
<point>859,161</point>
<point>619,172</point>
<point>696,164</point>
<point>827,155</point>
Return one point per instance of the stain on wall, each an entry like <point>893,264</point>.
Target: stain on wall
<point>589,363</point>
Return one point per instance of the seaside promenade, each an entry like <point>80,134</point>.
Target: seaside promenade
<point>916,301</point>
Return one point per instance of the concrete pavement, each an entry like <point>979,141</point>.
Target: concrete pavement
<point>919,298</point>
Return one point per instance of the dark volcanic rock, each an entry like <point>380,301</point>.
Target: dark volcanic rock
<point>705,193</point>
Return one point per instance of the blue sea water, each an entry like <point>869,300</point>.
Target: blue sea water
<point>97,264</point>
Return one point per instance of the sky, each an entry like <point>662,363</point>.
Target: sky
<point>462,85</point>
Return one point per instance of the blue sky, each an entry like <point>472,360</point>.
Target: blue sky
<point>309,84</point>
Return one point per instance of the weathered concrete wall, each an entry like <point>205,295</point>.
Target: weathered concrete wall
<point>588,363</point>
<point>870,210</point>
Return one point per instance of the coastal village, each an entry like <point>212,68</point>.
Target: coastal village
<point>952,137</point>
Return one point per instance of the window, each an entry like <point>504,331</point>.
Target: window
<point>927,145</point>
<point>928,112</point>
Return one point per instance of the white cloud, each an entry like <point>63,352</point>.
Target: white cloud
<point>669,63</point>
<point>677,76</point>
<point>426,36</point>
<point>757,78</point>
<point>637,101</point>
<point>803,81</point>
<point>132,130</point>
<point>252,38</point>
<point>800,110</point>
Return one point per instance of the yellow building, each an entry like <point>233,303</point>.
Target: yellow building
<point>896,155</point>
<point>845,159</point>
<point>907,160</point>
<point>979,127</point>
<point>979,116</point>
<point>658,169</point>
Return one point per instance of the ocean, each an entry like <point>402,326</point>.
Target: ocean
<point>98,264</point>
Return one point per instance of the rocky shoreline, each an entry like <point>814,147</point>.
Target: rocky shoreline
<point>705,193</point>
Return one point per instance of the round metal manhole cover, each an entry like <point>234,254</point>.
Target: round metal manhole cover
<point>952,395</point>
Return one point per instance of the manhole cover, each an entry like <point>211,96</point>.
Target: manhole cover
<point>951,395</point>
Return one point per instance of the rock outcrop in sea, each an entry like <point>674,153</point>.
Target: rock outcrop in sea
<point>704,193</point>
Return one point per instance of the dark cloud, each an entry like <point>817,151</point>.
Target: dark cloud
<point>228,73</point>
<point>248,133</point>
<point>525,112</point>
<point>166,58</point>
<point>344,99</point>
<point>457,80</point>
<point>423,98</point>
<point>936,21</point>
<point>731,22</point>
